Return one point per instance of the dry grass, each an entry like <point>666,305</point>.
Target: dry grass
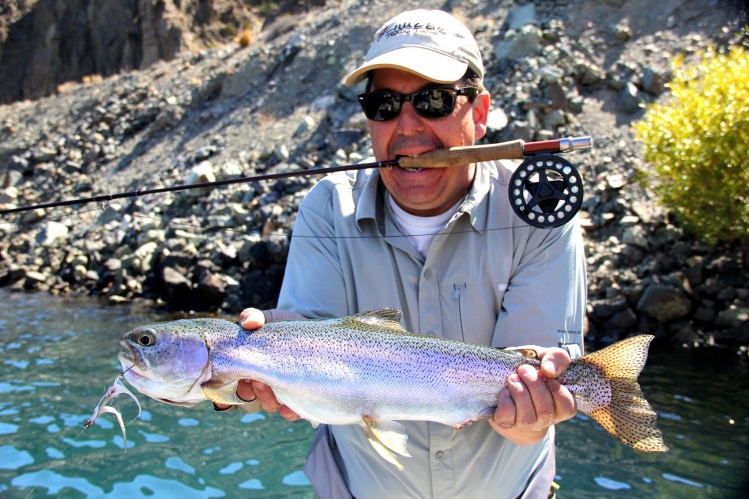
<point>245,38</point>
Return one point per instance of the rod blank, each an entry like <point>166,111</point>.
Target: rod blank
<point>439,158</point>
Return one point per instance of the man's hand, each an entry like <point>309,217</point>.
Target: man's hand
<point>533,400</point>
<point>249,390</point>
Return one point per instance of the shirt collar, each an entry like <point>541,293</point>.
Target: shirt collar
<point>370,202</point>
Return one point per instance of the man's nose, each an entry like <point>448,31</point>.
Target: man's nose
<point>409,122</point>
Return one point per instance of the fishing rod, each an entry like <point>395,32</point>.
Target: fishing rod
<point>532,193</point>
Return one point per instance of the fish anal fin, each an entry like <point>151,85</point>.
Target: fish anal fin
<point>387,437</point>
<point>383,451</point>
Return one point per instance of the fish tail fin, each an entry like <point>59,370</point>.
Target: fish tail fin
<point>628,416</point>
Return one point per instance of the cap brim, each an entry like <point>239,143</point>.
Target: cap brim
<point>428,64</point>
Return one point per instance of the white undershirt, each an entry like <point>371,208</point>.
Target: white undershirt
<point>421,231</point>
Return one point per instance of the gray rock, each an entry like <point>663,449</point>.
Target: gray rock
<point>621,31</point>
<point>704,314</point>
<point>34,278</point>
<point>52,233</point>
<point>32,216</point>
<point>653,82</point>
<point>607,307</point>
<point>8,197</point>
<point>178,289</point>
<point>304,127</point>
<point>628,101</point>
<point>210,292</point>
<point>497,120</point>
<point>522,16</point>
<point>550,73</point>
<point>621,320</point>
<point>200,173</point>
<point>554,119</point>
<point>524,43</point>
<point>663,303</point>
<point>588,73</point>
<point>636,236</point>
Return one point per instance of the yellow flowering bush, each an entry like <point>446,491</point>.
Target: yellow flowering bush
<point>698,144</point>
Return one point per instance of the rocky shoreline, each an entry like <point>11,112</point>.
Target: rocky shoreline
<point>279,105</point>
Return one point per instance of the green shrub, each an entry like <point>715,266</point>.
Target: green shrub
<point>698,145</point>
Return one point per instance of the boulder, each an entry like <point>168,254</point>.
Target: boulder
<point>663,303</point>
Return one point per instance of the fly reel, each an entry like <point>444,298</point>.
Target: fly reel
<point>546,191</point>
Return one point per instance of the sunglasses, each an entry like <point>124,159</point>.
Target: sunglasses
<point>433,104</point>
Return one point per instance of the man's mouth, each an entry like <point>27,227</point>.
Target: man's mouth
<point>412,170</point>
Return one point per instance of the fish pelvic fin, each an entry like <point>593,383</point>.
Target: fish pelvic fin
<point>388,438</point>
<point>628,416</point>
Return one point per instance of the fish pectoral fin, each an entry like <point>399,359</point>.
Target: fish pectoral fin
<point>387,437</point>
<point>219,393</point>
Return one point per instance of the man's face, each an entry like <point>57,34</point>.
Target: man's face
<point>429,191</point>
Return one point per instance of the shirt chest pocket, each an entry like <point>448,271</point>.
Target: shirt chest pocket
<point>470,310</point>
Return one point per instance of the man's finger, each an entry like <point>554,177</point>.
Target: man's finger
<point>288,414</point>
<point>554,362</point>
<point>542,411</point>
<point>251,318</point>
<point>265,395</point>
<point>245,391</point>
<point>565,406</point>
<point>504,416</point>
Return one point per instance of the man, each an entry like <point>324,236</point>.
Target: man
<point>444,246</point>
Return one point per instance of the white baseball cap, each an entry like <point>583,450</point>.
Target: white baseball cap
<point>429,43</point>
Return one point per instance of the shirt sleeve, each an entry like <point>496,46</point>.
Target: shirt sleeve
<point>545,300</point>
<point>313,275</point>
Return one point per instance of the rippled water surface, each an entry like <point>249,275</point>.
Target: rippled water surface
<point>59,355</point>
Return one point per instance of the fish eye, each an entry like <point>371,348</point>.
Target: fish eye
<point>146,338</point>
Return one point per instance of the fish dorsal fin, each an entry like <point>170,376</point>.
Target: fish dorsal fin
<point>388,318</point>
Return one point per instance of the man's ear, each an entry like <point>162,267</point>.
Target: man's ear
<point>481,106</point>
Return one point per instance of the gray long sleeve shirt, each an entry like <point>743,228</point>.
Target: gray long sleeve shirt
<point>488,279</point>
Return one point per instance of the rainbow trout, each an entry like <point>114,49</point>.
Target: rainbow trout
<point>367,370</point>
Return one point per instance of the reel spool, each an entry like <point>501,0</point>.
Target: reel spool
<point>546,191</point>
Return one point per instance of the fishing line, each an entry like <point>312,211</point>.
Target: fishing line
<point>289,235</point>
<point>108,395</point>
<point>313,236</point>
<point>57,459</point>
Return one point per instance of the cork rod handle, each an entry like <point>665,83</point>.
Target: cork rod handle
<point>442,158</point>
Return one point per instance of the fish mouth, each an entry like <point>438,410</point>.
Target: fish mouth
<point>130,358</point>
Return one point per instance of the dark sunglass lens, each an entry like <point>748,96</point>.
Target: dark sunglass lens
<point>436,103</point>
<point>381,106</point>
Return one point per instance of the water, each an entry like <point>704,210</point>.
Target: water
<point>58,356</point>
